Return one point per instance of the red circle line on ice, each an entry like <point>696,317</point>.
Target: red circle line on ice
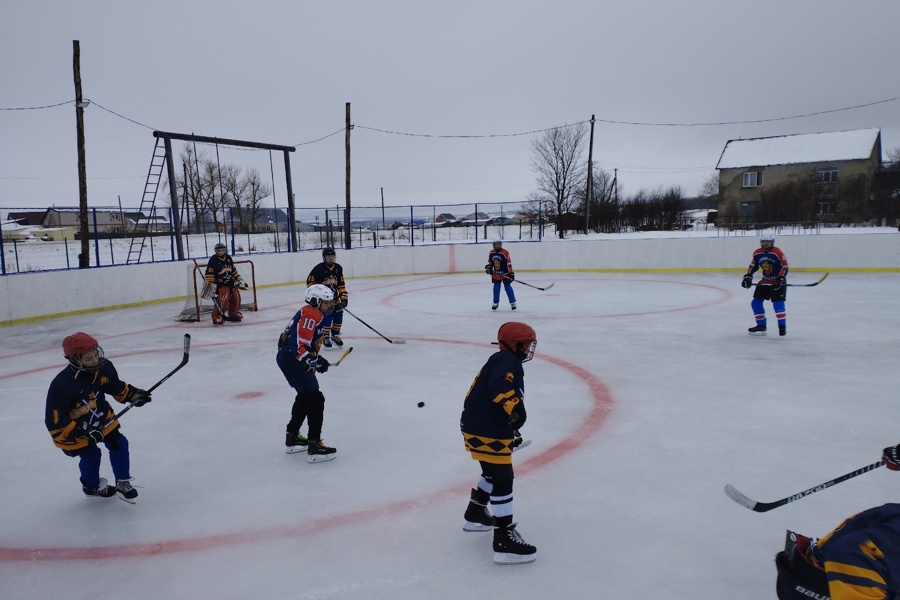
<point>601,404</point>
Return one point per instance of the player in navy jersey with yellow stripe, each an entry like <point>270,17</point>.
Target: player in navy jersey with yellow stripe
<point>493,412</point>
<point>331,274</point>
<point>769,260</point>
<point>499,267</point>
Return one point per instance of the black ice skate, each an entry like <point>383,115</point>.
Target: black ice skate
<point>126,491</point>
<point>782,330</point>
<point>477,516</point>
<point>319,452</point>
<point>510,548</point>
<point>494,306</point>
<point>326,341</point>
<point>758,330</point>
<point>295,442</point>
<point>337,340</point>
<point>101,491</point>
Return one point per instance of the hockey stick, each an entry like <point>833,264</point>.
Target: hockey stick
<point>373,329</point>
<point>767,506</point>
<point>343,356</point>
<point>184,361</point>
<point>821,279</point>
<point>543,289</point>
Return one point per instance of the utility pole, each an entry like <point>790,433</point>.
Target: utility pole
<point>589,196</point>
<point>347,190</point>
<point>84,258</point>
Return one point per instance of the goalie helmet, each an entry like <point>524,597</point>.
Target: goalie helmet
<point>221,249</point>
<point>518,338</point>
<point>321,297</point>
<point>77,345</point>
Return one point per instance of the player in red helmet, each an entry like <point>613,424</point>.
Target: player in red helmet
<point>493,412</point>
<point>79,418</point>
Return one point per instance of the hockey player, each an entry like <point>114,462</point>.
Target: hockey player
<point>773,286</point>
<point>221,272</point>
<point>499,267</point>
<point>299,360</point>
<point>79,418</point>
<point>331,274</point>
<point>859,560</point>
<point>493,412</point>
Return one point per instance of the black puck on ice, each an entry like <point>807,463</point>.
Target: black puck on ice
<point>420,404</point>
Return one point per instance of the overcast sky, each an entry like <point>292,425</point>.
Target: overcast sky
<point>418,73</point>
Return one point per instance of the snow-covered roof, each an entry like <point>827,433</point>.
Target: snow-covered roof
<point>855,144</point>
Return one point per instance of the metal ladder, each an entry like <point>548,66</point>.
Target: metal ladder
<point>148,202</point>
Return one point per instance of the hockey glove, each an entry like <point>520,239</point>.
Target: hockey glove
<point>322,364</point>
<point>488,269</point>
<point>891,457</point>
<point>344,302</point>
<point>240,284</point>
<point>91,434</point>
<point>747,281</point>
<point>138,397</point>
<point>511,276</point>
<point>780,282</point>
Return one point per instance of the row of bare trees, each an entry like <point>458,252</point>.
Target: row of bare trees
<point>214,193</point>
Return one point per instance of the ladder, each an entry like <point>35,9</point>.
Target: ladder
<point>148,202</point>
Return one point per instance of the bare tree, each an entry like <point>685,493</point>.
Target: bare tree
<point>557,158</point>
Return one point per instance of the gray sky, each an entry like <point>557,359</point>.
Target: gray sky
<point>281,72</point>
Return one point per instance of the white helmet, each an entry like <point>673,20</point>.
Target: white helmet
<point>316,294</point>
<point>767,238</point>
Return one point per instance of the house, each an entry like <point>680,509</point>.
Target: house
<point>106,220</point>
<point>840,164</point>
<point>444,220</point>
<point>31,218</point>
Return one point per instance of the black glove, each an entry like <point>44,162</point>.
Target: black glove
<point>488,269</point>
<point>316,362</point>
<point>138,397</point>
<point>91,434</point>
<point>747,281</point>
<point>517,440</point>
<point>511,276</point>
<point>344,302</point>
<point>891,457</point>
<point>322,364</point>
<point>780,282</point>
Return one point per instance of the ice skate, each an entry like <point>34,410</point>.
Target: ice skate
<point>477,516</point>
<point>758,330</point>
<point>126,491</point>
<point>494,306</point>
<point>295,442</point>
<point>510,548</point>
<point>103,490</point>
<point>782,330</point>
<point>319,452</point>
<point>337,340</point>
<point>512,305</point>
<point>326,341</point>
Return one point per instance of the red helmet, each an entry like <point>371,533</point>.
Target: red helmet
<point>77,344</point>
<point>518,338</point>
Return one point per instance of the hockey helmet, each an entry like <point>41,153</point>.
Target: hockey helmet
<point>77,345</point>
<point>518,338</point>
<point>498,243</point>
<point>328,251</point>
<point>221,249</point>
<point>798,577</point>
<point>767,239</point>
<point>321,297</point>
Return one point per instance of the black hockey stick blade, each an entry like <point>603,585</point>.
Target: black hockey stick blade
<point>389,340</point>
<point>755,506</point>
<point>184,361</point>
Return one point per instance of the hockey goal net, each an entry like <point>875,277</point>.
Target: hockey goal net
<point>195,305</point>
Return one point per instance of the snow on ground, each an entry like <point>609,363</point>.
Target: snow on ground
<point>646,397</point>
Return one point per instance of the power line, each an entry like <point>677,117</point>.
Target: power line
<point>38,107</point>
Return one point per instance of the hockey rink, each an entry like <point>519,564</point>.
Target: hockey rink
<point>646,396</point>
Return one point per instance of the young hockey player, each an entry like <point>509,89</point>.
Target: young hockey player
<point>331,274</point>
<point>221,272</point>
<point>79,418</point>
<point>773,286</point>
<point>859,560</point>
<point>299,360</point>
<point>499,267</point>
<point>493,412</point>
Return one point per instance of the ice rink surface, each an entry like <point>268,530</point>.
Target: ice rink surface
<point>646,396</point>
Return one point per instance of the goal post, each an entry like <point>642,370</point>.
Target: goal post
<point>195,305</point>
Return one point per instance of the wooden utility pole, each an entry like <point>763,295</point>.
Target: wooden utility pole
<point>589,196</point>
<point>84,259</point>
<point>347,185</point>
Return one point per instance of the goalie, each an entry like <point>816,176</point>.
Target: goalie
<point>221,273</point>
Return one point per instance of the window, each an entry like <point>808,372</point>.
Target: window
<point>827,175</point>
<point>748,209</point>
<point>824,208</point>
<point>752,179</point>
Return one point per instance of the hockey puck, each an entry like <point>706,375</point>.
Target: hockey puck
<point>420,404</point>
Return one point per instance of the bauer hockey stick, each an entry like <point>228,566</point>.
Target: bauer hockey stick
<point>543,289</point>
<point>767,506</point>
<point>373,329</point>
<point>184,361</point>
<point>821,279</point>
